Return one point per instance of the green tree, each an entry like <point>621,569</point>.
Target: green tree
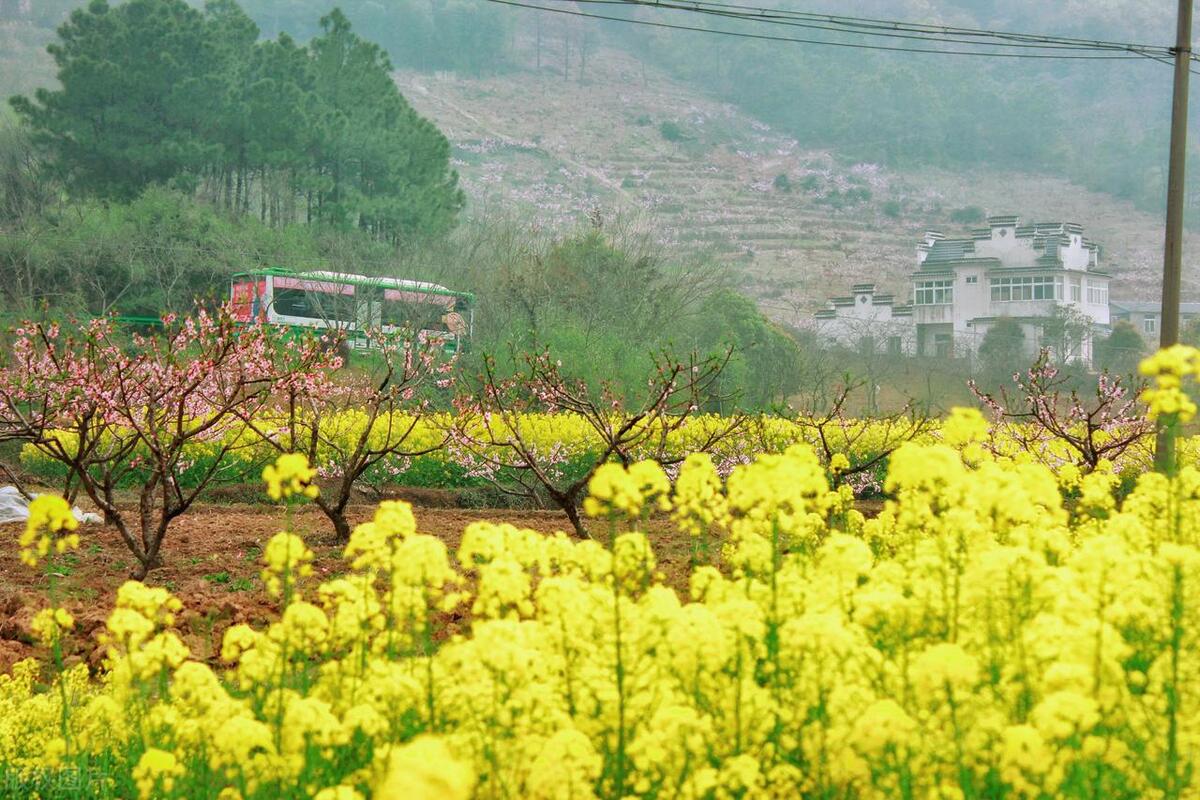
<point>428,35</point>
<point>1002,351</point>
<point>156,92</point>
<point>1121,350</point>
<point>25,189</point>
<point>765,367</point>
<point>1189,332</point>
<point>136,104</point>
<point>161,252</point>
<point>233,35</point>
<point>467,36</point>
<point>1065,332</point>
<point>604,301</point>
<point>600,304</point>
<point>383,168</point>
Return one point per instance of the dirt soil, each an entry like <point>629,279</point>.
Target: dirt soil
<point>212,561</point>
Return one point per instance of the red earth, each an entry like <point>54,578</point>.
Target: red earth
<point>211,561</point>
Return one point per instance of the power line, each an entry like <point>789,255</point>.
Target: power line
<point>923,31</point>
<point>826,42</point>
<point>890,28</point>
<point>896,25</point>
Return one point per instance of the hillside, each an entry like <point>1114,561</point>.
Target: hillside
<point>547,150</point>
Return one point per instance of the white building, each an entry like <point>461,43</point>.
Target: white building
<point>1145,316</point>
<point>1028,273</point>
<point>867,319</point>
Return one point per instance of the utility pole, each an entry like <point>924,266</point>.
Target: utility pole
<point>1173,245</point>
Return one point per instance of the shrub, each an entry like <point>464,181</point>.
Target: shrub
<point>1120,352</point>
<point>967,215</point>
<point>670,131</point>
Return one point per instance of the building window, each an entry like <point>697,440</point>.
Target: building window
<point>1076,292</point>
<point>893,345</point>
<point>1150,324</point>
<point>1048,288</point>
<point>972,279</point>
<point>1034,287</point>
<point>934,293</point>
<point>1097,295</point>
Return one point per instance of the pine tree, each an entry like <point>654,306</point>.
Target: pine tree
<point>233,35</point>
<point>135,105</point>
<point>155,92</point>
<point>385,169</point>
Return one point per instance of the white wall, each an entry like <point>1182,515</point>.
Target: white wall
<point>971,300</point>
<point>1005,245</point>
<point>1014,251</point>
<point>864,319</point>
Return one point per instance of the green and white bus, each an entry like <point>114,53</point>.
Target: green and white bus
<point>354,304</point>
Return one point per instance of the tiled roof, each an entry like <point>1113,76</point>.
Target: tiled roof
<point>1047,238</point>
<point>1149,307</point>
<point>947,250</point>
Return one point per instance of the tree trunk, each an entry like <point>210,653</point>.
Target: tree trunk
<point>583,54</point>
<point>150,560</point>
<point>341,528</point>
<point>336,514</point>
<point>571,509</point>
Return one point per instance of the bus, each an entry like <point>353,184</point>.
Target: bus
<point>354,304</point>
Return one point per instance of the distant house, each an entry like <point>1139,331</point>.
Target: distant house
<point>868,319</point>
<point>1029,273</point>
<point>1145,315</point>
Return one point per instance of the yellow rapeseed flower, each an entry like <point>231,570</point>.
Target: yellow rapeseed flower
<point>424,769</point>
<point>615,491</point>
<point>290,476</point>
<point>1168,367</point>
<point>49,624</point>
<point>286,559</point>
<point>155,773</point>
<point>49,529</point>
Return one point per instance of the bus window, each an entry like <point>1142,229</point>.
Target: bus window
<point>293,303</point>
<point>314,305</point>
<point>418,316</point>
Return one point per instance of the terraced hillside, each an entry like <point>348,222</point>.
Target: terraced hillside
<point>798,223</point>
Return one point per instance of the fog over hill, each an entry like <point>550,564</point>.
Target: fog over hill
<point>807,167</point>
<point>631,141</point>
